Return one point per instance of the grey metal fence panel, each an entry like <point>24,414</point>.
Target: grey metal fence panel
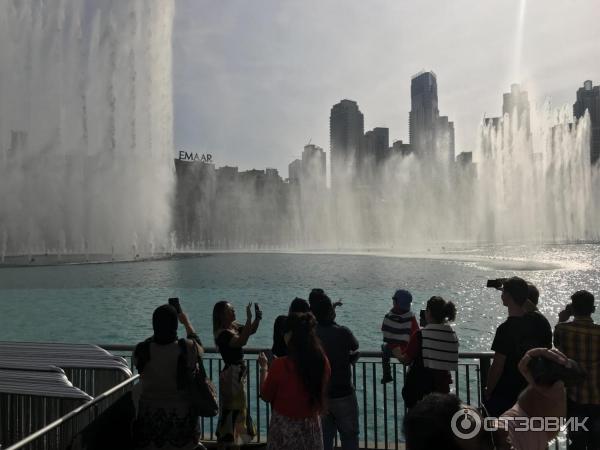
<point>60,433</point>
<point>89,367</point>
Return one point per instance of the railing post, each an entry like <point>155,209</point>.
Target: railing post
<point>484,368</point>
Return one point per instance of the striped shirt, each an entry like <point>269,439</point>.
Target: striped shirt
<point>397,328</point>
<point>580,341</point>
<point>440,347</point>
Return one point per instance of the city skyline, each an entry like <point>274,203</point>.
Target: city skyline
<point>254,83</point>
<point>358,151</point>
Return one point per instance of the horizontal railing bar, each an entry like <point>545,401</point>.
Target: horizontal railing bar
<point>32,437</point>
<point>257,350</point>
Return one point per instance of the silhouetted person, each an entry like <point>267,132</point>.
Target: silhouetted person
<point>295,386</point>
<point>235,426</point>
<point>522,330</point>
<point>341,347</point>
<point>298,305</point>
<point>533,294</point>
<point>580,341</point>
<point>432,352</point>
<point>165,419</point>
<point>399,324</point>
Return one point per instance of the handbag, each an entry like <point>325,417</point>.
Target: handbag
<point>201,390</point>
<point>418,383</point>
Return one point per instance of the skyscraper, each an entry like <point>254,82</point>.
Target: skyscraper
<point>376,144</point>
<point>424,113</point>
<point>444,134</point>
<point>295,171</point>
<point>346,129</point>
<point>314,166</point>
<point>588,98</point>
<point>517,102</point>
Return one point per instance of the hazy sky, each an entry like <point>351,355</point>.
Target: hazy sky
<point>254,80</point>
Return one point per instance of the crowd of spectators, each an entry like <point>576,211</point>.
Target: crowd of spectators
<point>307,375</point>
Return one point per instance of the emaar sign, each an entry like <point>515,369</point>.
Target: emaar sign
<point>204,157</point>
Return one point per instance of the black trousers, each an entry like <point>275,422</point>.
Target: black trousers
<point>581,439</point>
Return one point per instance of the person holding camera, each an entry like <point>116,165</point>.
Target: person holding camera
<point>235,426</point>
<point>523,330</point>
<point>432,352</point>
<point>580,341</point>
<point>165,419</point>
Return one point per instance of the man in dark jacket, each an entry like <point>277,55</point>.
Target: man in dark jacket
<point>341,347</point>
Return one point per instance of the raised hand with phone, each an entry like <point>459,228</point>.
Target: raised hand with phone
<point>185,321</point>
<point>234,423</point>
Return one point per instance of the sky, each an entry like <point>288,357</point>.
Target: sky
<point>254,80</point>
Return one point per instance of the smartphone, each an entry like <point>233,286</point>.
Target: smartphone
<point>257,311</point>
<point>422,319</point>
<point>174,302</point>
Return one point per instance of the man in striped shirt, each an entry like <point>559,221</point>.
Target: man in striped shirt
<point>397,327</point>
<point>580,341</point>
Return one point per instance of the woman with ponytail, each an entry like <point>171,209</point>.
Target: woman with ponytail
<point>295,386</point>
<point>432,353</point>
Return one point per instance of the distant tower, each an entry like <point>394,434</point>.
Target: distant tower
<point>295,171</point>
<point>314,165</point>
<point>424,113</point>
<point>346,129</point>
<point>444,134</point>
<point>376,144</point>
<point>588,98</point>
<point>517,102</point>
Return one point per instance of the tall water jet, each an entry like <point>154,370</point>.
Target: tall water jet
<point>85,124</point>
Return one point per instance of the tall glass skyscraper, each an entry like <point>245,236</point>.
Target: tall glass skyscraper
<point>431,136</point>
<point>588,98</point>
<point>346,129</point>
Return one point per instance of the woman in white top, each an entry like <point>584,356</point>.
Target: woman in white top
<point>432,353</point>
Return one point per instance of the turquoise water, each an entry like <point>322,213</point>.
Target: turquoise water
<point>113,303</point>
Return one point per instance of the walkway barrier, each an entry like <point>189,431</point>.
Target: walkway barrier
<point>381,408</point>
<point>89,367</point>
<point>41,382</point>
<point>32,397</point>
<point>63,432</point>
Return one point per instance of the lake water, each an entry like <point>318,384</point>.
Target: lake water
<point>113,303</point>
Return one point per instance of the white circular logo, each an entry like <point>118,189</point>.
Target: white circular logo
<point>465,423</point>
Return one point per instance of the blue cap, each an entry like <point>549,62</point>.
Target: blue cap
<point>402,299</point>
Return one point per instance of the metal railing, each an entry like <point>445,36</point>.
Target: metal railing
<point>381,409</point>
<point>60,433</point>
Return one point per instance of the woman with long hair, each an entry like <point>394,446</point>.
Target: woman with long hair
<point>432,353</point>
<point>298,305</point>
<point>235,426</point>
<point>295,386</point>
<point>165,419</point>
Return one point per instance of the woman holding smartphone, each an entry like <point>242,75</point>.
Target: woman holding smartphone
<point>235,427</point>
